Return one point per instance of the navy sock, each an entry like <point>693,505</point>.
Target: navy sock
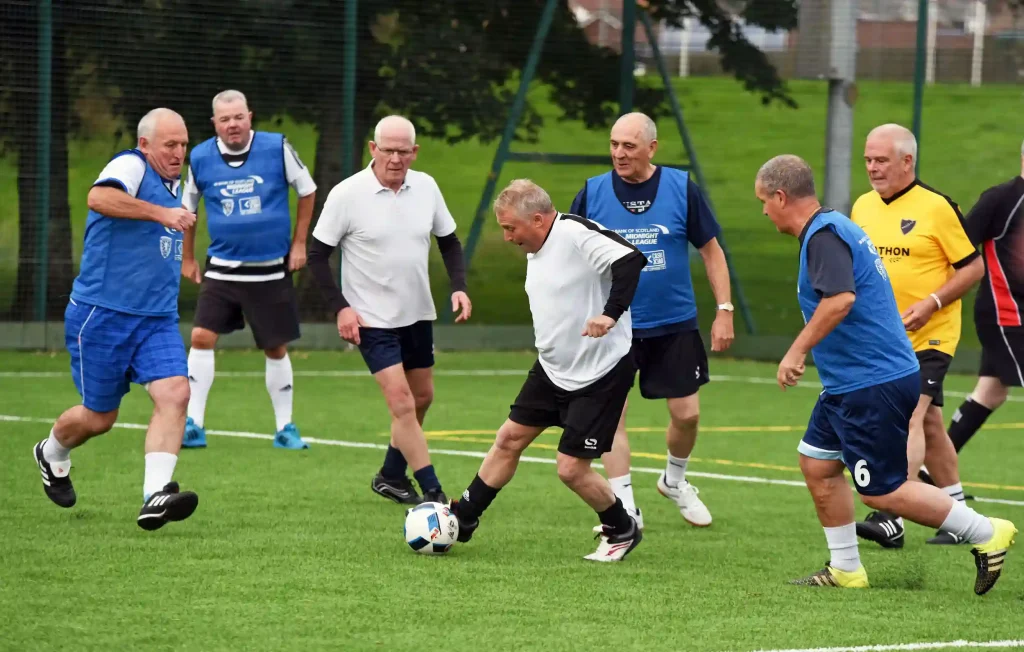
<point>967,420</point>
<point>427,479</point>
<point>394,464</point>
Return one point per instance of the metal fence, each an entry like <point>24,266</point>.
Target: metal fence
<point>729,90</point>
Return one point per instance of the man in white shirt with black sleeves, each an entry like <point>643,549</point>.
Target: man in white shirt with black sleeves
<point>580,279</point>
<point>382,217</point>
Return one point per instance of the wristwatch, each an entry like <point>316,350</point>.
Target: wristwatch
<point>726,306</point>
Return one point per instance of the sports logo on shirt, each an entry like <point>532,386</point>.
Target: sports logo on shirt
<point>880,266</point>
<point>235,187</point>
<point>227,206</point>
<point>250,206</point>
<point>165,246</point>
<point>907,226</point>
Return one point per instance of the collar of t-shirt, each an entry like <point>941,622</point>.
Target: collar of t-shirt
<point>405,181</point>
<point>232,157</point>
<point>637,197</point>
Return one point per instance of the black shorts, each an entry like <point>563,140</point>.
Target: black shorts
<point>270,307</point>
<point>671,366</point>
<point>588,416</point>
<point>411,346</point>
<point>934,366</point>
<point>1002,353</point>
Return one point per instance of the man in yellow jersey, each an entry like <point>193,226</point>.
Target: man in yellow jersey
<point>931,263</point>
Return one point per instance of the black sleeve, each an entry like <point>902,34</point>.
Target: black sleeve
<point>625,277</point>
<point>830,264</point>
<point>454,262</point>
<point>985,221</point>
<point>319,262</point>
<point>701,225</point>
<point>579,204</point>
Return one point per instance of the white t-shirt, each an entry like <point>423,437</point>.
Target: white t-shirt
<point>568,282</point>
<point>128,170</point>
<point>385,244</point>
<point>298,178</point>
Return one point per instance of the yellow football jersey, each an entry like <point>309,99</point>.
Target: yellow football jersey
<point>920,237</point>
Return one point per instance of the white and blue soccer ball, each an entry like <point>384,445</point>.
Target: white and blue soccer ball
<point>431,528</point>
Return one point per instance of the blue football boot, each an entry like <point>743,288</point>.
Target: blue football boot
<point>195,436</point>
<point>288,437</point>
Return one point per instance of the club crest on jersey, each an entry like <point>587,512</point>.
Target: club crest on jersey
<point>907,226</point>
<point>228,206</point>
<point>165,246</point>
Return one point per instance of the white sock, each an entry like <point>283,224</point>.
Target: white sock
<point>53,451</point>
<point>200,379</point>
<point>279,386</point>
<point>675,470</point>
<point>159,469</point>
<point>967,524</point>
<point>955,491</point>
<point>842,542</point>
<point>622,486</point>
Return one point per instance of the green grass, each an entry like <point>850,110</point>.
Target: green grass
<point>970,141</point>
<point>291,550</point>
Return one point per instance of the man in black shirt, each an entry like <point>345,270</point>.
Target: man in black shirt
<point>995,224</point>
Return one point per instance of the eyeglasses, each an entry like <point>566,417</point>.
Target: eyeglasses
<point>402,153</point>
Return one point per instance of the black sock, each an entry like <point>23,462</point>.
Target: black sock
<point>394,464</point>
<point>968,418</point>
<point>477,498</point>
<point>616,518</point>
<point>427,479</point>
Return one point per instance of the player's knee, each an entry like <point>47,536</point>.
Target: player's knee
<point>992,396</point>
<point>100,422</point>
<point>511,439</point>
<point>171,394</point>
<point>203,338</point>
<point>686,418</point>
<point>423,398</point>
<point>400,402</point>
<point>571,470</point>
<point>276,353</point>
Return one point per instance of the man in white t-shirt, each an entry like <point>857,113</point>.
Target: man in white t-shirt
<point>382,218</point>
<point>580,278</point>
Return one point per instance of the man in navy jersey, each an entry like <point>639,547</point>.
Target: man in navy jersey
<point>662,211</point>
<point>121,324</point>
<point>871,379</point>
<point>243,177</point>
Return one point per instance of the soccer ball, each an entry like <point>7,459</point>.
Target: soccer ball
<point>431,528</point>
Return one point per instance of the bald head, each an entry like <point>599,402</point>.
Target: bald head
<point>634,140</point>
<point>163,139</point>
<point>395,127</point>
<point>890,155</point>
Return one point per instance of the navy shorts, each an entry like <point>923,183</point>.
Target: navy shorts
<point>867,430</point>
<point>410,346</point>
<point>110,350</point>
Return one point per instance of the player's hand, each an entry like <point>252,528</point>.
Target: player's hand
<point>918,314</point>
<point>722,333</point>
<point>177,218</point>
<point>460,301</point>
<point>598,326</point>
<point>297,256</point>
<point>190,270</point>
<point>349,322</point>
<point>791,369</point>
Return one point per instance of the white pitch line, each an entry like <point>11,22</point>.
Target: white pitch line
<point>946,645</point>
<point>353,373</point>
<point>479,455</point>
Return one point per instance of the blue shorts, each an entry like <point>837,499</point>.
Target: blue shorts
<point>110,349</point>
<point>411,346</point>
<point>867,430</point>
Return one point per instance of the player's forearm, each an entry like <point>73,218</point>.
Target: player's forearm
<point>303,218</point>
<point>113,202</point>
<point>961,282</point>
<point>829,313</point>
<point>625,278</point>
<point>454,261</point>
<point>188,251</point>
<point>718,271</point>
<point>319,263</point>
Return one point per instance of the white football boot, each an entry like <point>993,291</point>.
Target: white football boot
<point>690,505</point>
<point>615,547</point>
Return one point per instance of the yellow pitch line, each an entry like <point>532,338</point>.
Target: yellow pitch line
<point>448,433</point>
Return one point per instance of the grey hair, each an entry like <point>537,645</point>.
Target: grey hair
<point>648,129</point>
<point>147,125</point>
<point>524,198</point>
<point>228,96</point>
<point>788,173</point>
<point>903,140</point>
<point>394,120</point>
